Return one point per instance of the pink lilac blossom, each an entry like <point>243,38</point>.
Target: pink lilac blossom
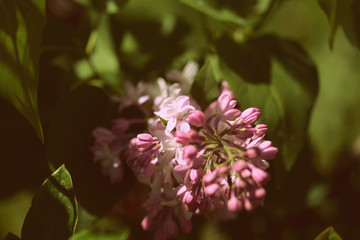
<point>216,164</point>
<point>193,161</point>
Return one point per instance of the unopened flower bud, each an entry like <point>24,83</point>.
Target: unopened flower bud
<point>194,176</point>
<point>268,152</point>
<point>234,204</point>
<point>260,193</point>
<point>144,141</point>
<point>246,173</point>
<point>188,198</point>
<point>250,115</point>
<point>259,176</point>
<point>210,177</point>
<point>261,129</point>
<point>147,223</point>
<point>239,166</point>
<point>212,189</point>
<point>197,118</point>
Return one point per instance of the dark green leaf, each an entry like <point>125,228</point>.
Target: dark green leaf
<point>335,11</point>
<point>21,28</point>
<point>223,15</point>
<point>286,101</point>
<point>53,212</point>
<point>204,88</point>
<point>351,23</point>
<point>328,234</point>
<point>11,236</point>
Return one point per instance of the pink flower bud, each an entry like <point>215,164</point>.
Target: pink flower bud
<point>182,137</point>
<point>181,190</point>
<point>249,206</point>
<point>234,204</point>
<point>147,223</point>
<point>239,166</point>
<point>223,170</point>
<point>240,184</point>
<point>210,176</point>
<point>194,176</point>
<point>268,152</point>
<point>181,169</point>
<point>212,189</point>
<point>260,193</point>
<point>261,129</point>
<point>246,173</point>
<point>189,152</point>
<point>197,118</point>
<point>252,153</point>
<point>232,114</point>
<point>144,141</point>
<point>259,176</point>
<point>250,115</point>
<point>223,102</point>
<point>188,198</point>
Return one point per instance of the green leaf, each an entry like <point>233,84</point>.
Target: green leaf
<point>11,236</point>
<point>53,212</point>
<point>351,25</point>
<point>21,28</point>
<point>222,15</point>
<point>328,234</point>
<point>286,99</point>
<point>103,57</point>
<point>205,89</point>
<point>335,11</point>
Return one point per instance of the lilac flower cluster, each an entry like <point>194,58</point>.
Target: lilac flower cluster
<point>196,161</point>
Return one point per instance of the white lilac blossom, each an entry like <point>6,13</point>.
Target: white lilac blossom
<point>175,112</point>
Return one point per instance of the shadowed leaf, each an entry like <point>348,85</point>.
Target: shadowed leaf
<point>21,28</point>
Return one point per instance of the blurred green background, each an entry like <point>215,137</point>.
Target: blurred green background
<point>84,54</point>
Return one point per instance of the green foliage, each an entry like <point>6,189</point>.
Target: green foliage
<point>328,234</point>
<point>278,77</point>
<point>222,15</point>
<point>343,13</point>
<point>53,213</point>
<point>21,28</point>
<point>205,86</point>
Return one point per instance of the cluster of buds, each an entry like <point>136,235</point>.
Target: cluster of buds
<point>196,161</point>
